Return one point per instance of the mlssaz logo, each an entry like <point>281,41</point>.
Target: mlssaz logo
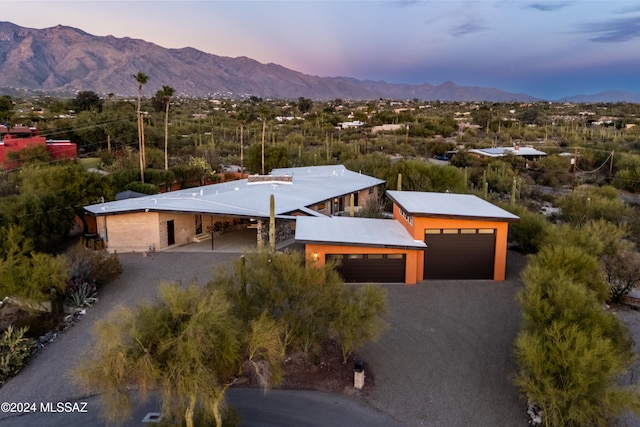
<point>65,407</point>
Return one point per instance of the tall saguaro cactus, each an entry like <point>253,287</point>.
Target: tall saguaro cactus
<point>272,223</point>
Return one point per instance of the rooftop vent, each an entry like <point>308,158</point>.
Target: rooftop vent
<point>270,179</point>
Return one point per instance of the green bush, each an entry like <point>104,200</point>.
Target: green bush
<point>143,188</point>
<point>15,349</point>
<point>529,233</point>
<point>596,237</point>
<point>311,302</point>
<point>573,262</point>
<point>570,351</point>
<point>595,203</point>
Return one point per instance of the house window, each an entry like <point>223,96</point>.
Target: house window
<point>406,216</point>
<point>486,231</point>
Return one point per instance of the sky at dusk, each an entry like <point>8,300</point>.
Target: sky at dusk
<point>548,49</point>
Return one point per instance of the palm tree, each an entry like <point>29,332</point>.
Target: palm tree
<point>264,113</point>
<point>241,115</point>
<point>142,79</point>
<point>166,93</point>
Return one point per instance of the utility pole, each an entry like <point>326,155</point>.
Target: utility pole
<point>611,164</point>
<point>575,166</point>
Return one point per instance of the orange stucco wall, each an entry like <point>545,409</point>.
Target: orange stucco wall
<point>414,269</point>
<point>502,227</point>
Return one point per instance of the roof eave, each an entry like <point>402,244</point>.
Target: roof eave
<point>362,244</point>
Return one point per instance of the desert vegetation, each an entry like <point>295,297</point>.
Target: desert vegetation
<point>577,207</point>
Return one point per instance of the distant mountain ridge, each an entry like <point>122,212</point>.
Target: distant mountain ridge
<point>605,97</point>
<point>66,60</point>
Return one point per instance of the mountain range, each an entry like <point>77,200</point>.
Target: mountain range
<point>66,60</point>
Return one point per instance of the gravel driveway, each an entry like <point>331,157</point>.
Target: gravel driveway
<point>446,360</point>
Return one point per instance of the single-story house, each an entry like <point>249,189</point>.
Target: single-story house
<point>431,235</point>
<point>527,152</point>
<point>180,217</point>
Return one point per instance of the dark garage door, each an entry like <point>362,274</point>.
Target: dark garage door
<point>459,253</point>
<point>380,268</point>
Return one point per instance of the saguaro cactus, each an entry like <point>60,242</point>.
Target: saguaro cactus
<point>272,223</point>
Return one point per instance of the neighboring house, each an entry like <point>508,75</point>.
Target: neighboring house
<point>528,152</point>
<point>351,125</point>
<point>183,216</point>
<point>17,138</point>
<point>387,128</point>
<point>431,236</point>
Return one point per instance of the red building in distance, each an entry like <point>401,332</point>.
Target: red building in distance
<point>17,138</point>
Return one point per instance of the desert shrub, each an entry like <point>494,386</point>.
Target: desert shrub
<point>15,349</point>
<point>529,233</point>
<point>310,301</point>
<point>622,270</point>
<point>590,204</point>
<point>597,237</point>
<point>143,188</point>
<point>93,266</point>
<point>570,351</point>
<point>80,294</point>
<point>573,262</point>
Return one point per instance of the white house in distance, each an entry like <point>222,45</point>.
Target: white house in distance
<point>526,152</point>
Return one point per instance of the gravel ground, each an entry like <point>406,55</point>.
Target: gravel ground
<point>448,358</point>
<point>631,318</point>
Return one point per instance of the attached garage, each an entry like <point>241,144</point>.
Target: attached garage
<point>466,236</point>
<point>456,253</point>
<point>381,268</point>
<point>364,249</point>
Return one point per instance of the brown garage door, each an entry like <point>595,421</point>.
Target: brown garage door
<point>459,253</point>
<point>379,268</point>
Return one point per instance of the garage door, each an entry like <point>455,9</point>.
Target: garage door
<point>459,253</point>
<point>379,268</point>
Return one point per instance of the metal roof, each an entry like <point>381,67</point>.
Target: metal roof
<point>311,185</point>
<point>450,205</point>
<point>502,151</point>
<point>347,231</point>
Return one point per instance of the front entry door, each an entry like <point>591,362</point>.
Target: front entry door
<point>171,233</point>
<point>198,224</point>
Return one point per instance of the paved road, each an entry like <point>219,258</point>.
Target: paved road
<point>445,362</point>
<point>278,408</point>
